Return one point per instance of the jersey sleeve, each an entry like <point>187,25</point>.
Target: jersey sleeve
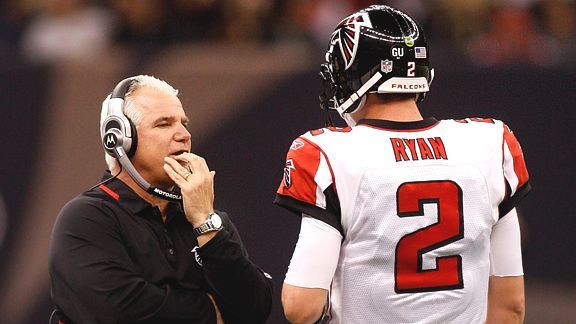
<point>505,247</point>
<point>315,256</point>
<point>515,172</point>
<point>308,184</point>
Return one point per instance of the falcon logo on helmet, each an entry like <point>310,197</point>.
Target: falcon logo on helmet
<point>347,35</point>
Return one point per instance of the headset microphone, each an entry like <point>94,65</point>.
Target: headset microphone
<point>119,138</point>
<point>129,167</point>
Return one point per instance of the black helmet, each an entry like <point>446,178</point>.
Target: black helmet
<point>378,49</point>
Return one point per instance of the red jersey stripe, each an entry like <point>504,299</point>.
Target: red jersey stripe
<point>109,192</point>
<point>302,163</point>
<point>517,156</point>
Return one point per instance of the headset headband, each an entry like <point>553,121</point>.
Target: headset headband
<point>122,87</point>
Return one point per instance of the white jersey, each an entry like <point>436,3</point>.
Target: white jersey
<point>415,203</point>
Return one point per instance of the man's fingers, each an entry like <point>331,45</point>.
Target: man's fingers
<point>175,176</point>
<point>195,162</point>
<point>176,166</point>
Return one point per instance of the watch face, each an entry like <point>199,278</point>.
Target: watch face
<point>216,220</point>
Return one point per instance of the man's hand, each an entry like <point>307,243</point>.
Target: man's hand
<point>219,319</point>
<point>190,172</point>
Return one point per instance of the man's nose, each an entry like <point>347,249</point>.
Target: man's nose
<point>182,134</point>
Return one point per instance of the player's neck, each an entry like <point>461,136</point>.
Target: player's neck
<point>396,110</point>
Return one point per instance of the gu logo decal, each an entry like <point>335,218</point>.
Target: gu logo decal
<point>397,52</point>
<point>347,34</point>
<point>287,169</point>
<point>386,66</point>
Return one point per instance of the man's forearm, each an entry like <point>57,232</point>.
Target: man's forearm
<point>506,300</point>
<point>242,290</point>
<point>186,304</point>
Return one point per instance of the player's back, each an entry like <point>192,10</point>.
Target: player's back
<point>418,202</point>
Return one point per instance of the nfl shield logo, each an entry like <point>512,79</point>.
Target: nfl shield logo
<point>386,66</point>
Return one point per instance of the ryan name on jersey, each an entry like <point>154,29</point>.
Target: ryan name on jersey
<point>414,149</point>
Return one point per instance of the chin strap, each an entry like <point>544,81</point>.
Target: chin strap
<point>348,116</point>
<point>342,109</point>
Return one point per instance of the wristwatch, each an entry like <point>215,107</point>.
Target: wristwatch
<point>213,223</point>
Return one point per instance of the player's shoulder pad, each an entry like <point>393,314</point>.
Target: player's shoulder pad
<point>326,131</point>
<point>302,143</point>
<point>477,121</point>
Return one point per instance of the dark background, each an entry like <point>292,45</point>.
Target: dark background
<point>248,95</point>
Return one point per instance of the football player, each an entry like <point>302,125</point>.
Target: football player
<point>405,219</point>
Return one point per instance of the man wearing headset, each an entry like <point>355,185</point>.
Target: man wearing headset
<point>405,219</point>
<point>146,245</point>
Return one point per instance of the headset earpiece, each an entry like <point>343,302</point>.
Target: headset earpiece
<point>130,153</point>
<point>112,139</point>
<point>117,129</point>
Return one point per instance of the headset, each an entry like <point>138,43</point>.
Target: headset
<point>119,138</point>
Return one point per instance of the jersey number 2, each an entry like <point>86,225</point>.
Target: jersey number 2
<point>409,274</point>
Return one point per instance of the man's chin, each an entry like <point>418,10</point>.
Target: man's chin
<point>166,185</point>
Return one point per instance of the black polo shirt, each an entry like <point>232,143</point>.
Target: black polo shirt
<point>113,260</point>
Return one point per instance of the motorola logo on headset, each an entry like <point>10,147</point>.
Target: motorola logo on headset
<point>165,194</point>
<point>110,141</point>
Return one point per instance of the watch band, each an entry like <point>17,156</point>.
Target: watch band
<point>208,225</point>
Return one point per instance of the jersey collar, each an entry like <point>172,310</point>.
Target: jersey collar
<point>121,192</point>
<point>400,126</point>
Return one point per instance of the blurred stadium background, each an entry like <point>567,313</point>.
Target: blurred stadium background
<point>247,72</point>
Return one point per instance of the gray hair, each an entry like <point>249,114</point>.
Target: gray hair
<point>131,109</point>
